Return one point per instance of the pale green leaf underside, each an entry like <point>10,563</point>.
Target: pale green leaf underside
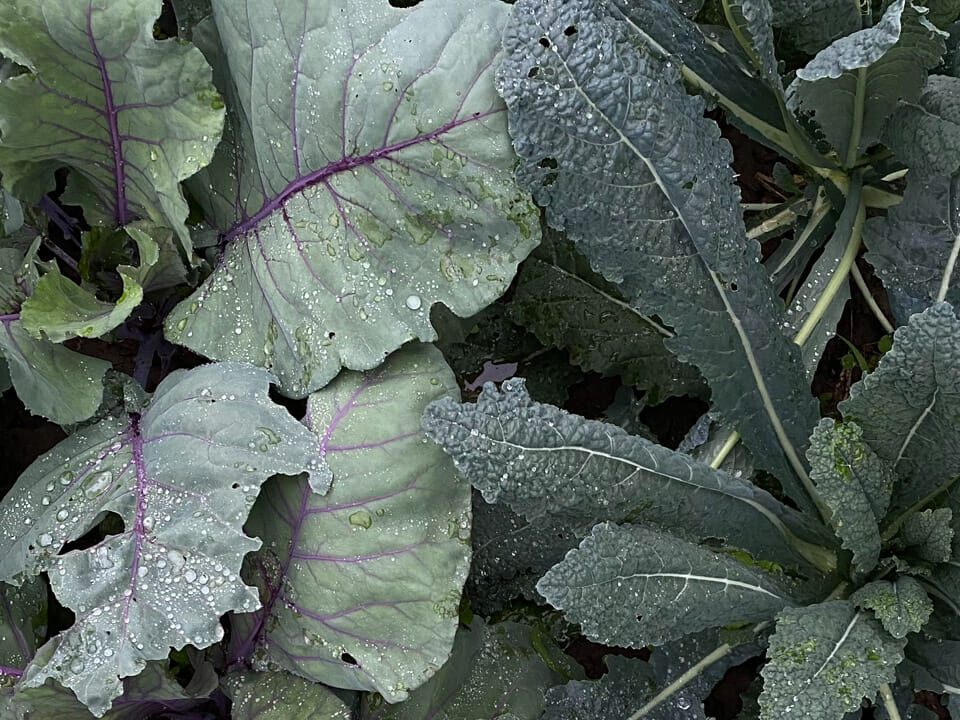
<point>824,659</point>
<point>133,116</point>
<point>369,177</point>
<point>909,407</point>
<point>182,476</point>
<point>902,606</point>
<point>546,463</point>
<point>625,162</point>
<point>632,586</point>
<point>855,484</point>
<point>915,247</point>
<point>374,568</point>
<point>493,670</point>
<point>280,696</point>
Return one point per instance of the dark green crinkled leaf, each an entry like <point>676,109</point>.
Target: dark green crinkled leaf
<point>928,534</point>
<point>567,305</point>
<point>823,659</point>
<point>182,476</point>
<point>510,553</point>
<point>649,198</point>
<point>22,609</point>
<point>909,407</point>
<point>361,587</point>
<point>813,24</point>
<point>367,174</point>
<point>278,695</point>
<point>925,135</point>
<point>50,380</point>
<point>546,463</point>
<point>632,586</point>
<point>133,117</point>
<point>914,247</point>
<point>623,689</point>
<point>878,66</point>
<point>902,606</point>
<point>855,484</point>
<point>495,671</point>
<point>754,20</point>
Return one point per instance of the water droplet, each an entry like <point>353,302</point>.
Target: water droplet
<point>414,302</point>
<point>361,518</point>
<point>46,540</point>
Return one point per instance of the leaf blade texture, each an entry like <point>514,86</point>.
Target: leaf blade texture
<point>361,587</point>
<point>648,196</point>
<point>855,484</point>
<point>902,606</point>
<point>624,586</point>
<point>824,659</point>
<point>133,118</point>
<point>368,177</point>
<point>188,467</point>
<point>907,407</point>
<point>547,464</point>
<point>281,696</point>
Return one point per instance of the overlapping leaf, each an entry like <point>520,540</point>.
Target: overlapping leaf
<point>626,163</point>
<point>926,135</point>
<point>368,175</point>
<point>546,463</point>
<point>133,116</point>
<point>281,696</point>
<point>855,484</point>
<point>632,586</point>
<point>51,380</point>
<point>854,85</point>
<point>361,587</point>
<point>567,305</point>
<point>182,475</point>
<point>495,671</point>
<point>915,247</point>
<point>909,407</point>
<point>902,606</point>
<point>824,659</point>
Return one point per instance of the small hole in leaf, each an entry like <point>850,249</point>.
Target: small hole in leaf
<point>544,42</point>
<point>111,524</point>
<point>548,163</point>
<point>733,287</point>
<point>571,30</point>
<point>533,72</point>
<point>235,486</point>
<point>348,658</point>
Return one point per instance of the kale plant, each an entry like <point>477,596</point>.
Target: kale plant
<point>314,220</point>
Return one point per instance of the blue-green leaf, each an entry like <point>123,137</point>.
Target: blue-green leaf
<point>182,476</point>
<point>281,696</point>
<point>366,176</point>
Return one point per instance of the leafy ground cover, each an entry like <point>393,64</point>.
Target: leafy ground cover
<point>548,361</point>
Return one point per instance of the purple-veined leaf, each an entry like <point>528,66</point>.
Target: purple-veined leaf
<point>182,474</point>
<point>361,587</point>
<point>281,696</point>
<point>130,115</point>
<point>366,174</point>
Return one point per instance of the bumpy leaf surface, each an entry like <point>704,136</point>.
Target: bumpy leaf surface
<point>902,606</point>
<point>546,463</point>
<point>909,407</point>
<point>824,659</point>
<point>567,305</point>
<point>133,116</point>
<point>926,135</point>
<point>182,475</point>
<point>814,24</point>
<point>495,671</point>
<point>929,535</point>
<point>51,380</point>
<point>862,77</point>
<point>855,484</point>
<point>280,696</point>
<point>366,176</point>
<point>915,247</point>
<point>625,162</point>
<point>632,586</point>
<point>361,587</point>
<point>621,691</point>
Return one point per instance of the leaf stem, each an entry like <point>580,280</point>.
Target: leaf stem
<point>886,694</point>
<point>10,671</point>
<point>954,251</point>
<point>857,210</point>
<point>722,453</point>
<point>692,672</point>
<point>856,130</point>
<point>871,303</point>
